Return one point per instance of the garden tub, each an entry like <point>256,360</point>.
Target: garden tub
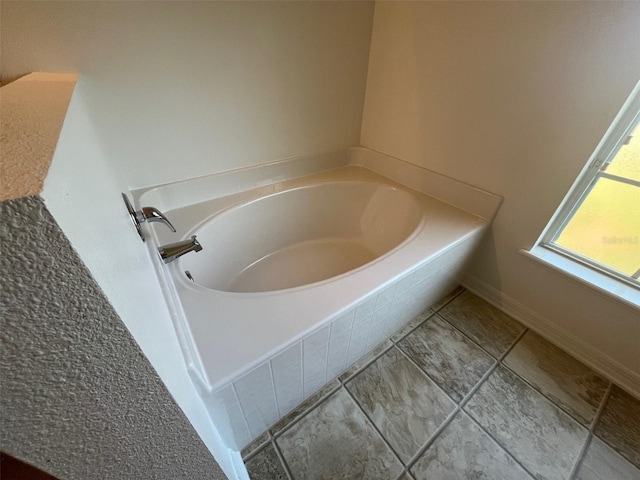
<point>299,279</point>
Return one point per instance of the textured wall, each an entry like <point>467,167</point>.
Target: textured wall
<point>79,399</point>
<point>31,116</point>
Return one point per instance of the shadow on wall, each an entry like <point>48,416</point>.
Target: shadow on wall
<point>79,398</point>
<point>486,260</point>
<point>14,469</point>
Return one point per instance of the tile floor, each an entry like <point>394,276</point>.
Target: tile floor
<point>463,392</point>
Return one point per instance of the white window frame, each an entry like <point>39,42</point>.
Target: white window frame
<point>616,136</point>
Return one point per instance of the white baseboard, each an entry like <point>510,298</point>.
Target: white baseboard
<point>619,374</point>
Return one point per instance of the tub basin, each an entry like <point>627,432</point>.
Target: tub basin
<point>301,236</point>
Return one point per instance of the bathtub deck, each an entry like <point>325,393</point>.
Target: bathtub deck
<point>463,392</point>
<point>214,316</point>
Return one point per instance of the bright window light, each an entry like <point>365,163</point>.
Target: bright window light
<point>598,223</point>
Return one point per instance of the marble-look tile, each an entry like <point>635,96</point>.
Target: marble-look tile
<point>569,383</point>
<point>255,445</point>
<point>463,451</point>
<point>304,407</point>
<point>366,360</point>
<point>266,465</point>
<point>492,329</point>
<point>405,405</point>
<point>337,441</point>
<point>448,357</point>
<point>412,325</point>
<point>545,439</point>
<point>619,424</point>
<point>406,476</point>
<point>603,463</point>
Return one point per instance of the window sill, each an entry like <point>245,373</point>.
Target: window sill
<point>584,275</point>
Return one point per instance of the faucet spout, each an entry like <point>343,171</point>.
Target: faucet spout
<point>172,251</point>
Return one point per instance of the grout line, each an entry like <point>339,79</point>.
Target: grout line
<point>302,369</point>
<point>306,412</point>
<point>431,312</point>
<point>590,427</point>
<point>459,406</point>
<point>598,414</point>
<point>467,398</point>
<point>257,449</point>
<point>369,361</point>
<point>413,460</point>
<point>583,451</point>
<point>455,294</point>
<point>273,388</point>
<point>562,408</point>
<point>591,435</point>
<point>384,439</point>
<point>506,451</point>
<point>244,416</point>
<point>415,327</point>
<point>415,364</point>
<point>405,475</point>
<point>566,410</point>
<point>475,342</point>
<point>283,462</point>
<point>353,323</point>
<point>513,344</point>
<point>456,410</point>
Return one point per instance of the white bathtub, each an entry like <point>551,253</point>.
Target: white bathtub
<point>299,279</point>
<point>301,236</point>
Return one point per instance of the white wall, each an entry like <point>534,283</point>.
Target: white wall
<point>82,192</point>
<point>173,90</point>
<point>512,97</point>
<point>182,89</point>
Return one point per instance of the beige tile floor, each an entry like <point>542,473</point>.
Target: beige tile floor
<point>463,392</point>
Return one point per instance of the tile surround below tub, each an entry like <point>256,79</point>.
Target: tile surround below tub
<point>489,327</point>
<point>545,439</point>
<point>256,445</point>
<point>266,393</point>
<point>447,356</point>
<point>337,441</point>
<point>619,424</point>
<point>569,383</point>
<point>405,405</point>
<point>448,298</point>
<point>412,325</point>
<point>304,407</point>
<point>463,451</point>
<point>366,360</point>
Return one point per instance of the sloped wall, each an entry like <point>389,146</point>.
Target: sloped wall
<point>79,398</point>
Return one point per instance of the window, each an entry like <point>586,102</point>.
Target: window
<point>598,223</point>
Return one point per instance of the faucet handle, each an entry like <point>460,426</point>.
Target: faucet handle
<point>145,214</point>
<point>152,214</point>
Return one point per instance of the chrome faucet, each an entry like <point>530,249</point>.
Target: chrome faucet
<point>152,214</point>
<point>145,214</point>
<point>170,252</point>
